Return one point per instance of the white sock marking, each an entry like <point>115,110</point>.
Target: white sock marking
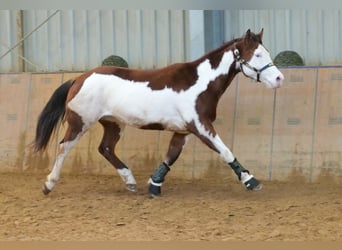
<point>127,176</point>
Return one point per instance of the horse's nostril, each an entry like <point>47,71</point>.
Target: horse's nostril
<point>279,78</point>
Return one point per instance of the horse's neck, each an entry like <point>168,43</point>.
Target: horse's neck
<point>221,65</point>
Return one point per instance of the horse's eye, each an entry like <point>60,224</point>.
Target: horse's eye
<point>258,55</point>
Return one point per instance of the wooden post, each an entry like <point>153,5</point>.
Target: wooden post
<point>19,19</point>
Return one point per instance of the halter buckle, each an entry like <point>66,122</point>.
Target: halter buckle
<point>236,52</point>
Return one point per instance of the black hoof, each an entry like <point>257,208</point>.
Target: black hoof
<point>45,190</point>
<point>253,184</point>
<point>154,191</point>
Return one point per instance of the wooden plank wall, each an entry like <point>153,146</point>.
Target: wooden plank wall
<point>284,134</point>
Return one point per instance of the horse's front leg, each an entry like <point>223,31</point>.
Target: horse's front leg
<point>209,136</point>
<point>157,178</point>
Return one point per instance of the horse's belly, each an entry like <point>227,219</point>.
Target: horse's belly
<point>158,118</point>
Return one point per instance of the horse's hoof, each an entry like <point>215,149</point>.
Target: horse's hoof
<point>253,184</point>
<point>154,191</point>
<point>153,196</point>
<point>131,187</point>
<point>45,190</point>
<point>257,188</point>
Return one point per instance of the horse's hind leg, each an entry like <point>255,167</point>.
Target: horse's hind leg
<point>157,178</point>
<point>110,137</point>
<point>71,137</point>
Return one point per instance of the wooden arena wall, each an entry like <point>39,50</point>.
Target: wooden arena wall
<point>292,132</point>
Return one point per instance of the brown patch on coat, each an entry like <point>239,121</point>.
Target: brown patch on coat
<point>179,76</point>
<point>153,126</point>
<point>207,101</point>
<point>209,127</point>
<point>75,125</point>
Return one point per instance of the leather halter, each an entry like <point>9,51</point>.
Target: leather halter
<point>245,63</point>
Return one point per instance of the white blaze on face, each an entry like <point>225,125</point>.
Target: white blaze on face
<point>271,76</point>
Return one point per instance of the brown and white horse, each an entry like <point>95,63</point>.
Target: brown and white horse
<point>182,98</point>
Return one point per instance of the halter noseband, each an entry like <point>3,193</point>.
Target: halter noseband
<point>243,62</point>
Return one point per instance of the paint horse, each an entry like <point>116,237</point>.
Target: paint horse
<point>181,97</point>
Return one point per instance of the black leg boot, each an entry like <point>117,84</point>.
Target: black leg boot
<point>244,176</point>
<point>157,179</point>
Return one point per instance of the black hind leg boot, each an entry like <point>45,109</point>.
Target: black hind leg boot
<point>244,176</point>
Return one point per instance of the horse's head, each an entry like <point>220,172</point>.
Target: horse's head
<point>254,60</point>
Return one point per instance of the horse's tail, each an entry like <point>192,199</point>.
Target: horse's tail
<point>52,113</point>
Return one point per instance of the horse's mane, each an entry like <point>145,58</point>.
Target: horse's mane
<point>225,45</point>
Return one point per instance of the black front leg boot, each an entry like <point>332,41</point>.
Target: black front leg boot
<point>157,179</point>
<point>244,176</point>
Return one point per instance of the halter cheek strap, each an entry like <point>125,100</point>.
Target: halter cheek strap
<point>242,63</point>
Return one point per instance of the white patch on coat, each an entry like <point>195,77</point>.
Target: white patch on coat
<point>54,175</point>
<point>224,151</point>
<point>136,104</point>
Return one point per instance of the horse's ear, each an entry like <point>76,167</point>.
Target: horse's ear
<point>261,33</point>
<point>248,36</point>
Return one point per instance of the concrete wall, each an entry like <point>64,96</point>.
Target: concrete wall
<point>277,134</point>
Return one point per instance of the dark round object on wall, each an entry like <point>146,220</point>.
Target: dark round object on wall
<point>288,58</point>
<point>114,60</point>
